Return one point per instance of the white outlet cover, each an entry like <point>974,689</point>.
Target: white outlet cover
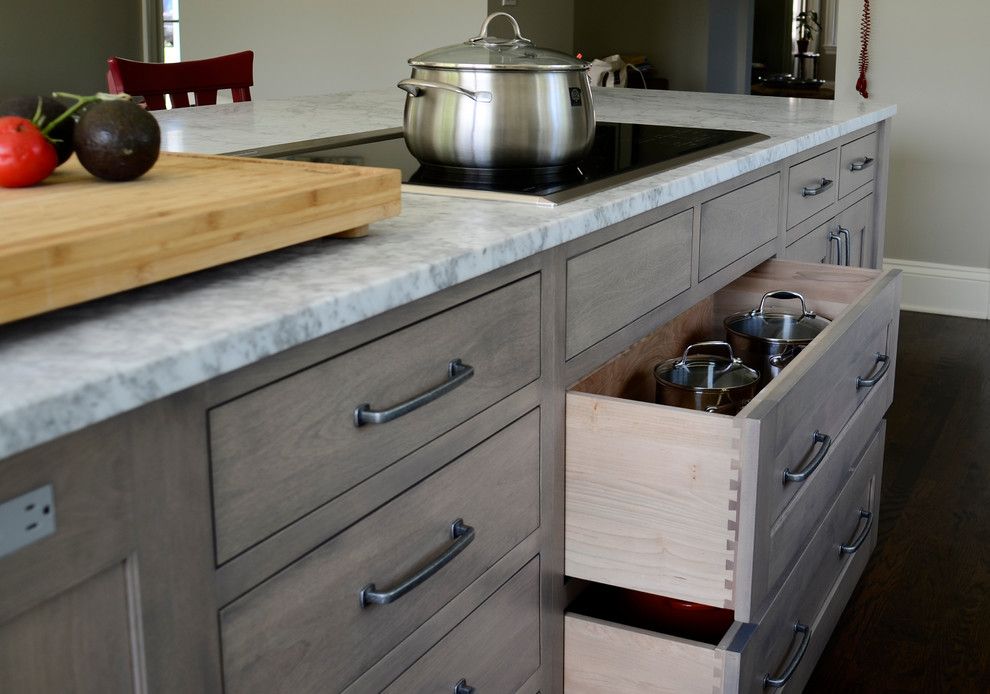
<point>26,519</point>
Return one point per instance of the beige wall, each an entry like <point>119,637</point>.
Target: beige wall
<point>64,45</point>
<point>321,46</point>
<point>547,23</point>
<point>927,57</point>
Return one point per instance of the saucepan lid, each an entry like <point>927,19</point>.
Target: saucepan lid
<point>704,371</point>
<point>775,325</point>
<point>490,53</point>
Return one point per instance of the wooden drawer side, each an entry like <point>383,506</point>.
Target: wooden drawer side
<point>603,657</point>
<point>652,498</point>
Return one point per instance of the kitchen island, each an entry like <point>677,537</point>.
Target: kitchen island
<point>182,425</point>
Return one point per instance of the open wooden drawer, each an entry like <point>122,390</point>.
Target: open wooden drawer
<point>682,503</point>
<point>778,649</point>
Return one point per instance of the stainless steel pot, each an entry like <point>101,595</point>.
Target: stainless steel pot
<point>707,382</point>
<point>768,340</point>
<point>498,103</point>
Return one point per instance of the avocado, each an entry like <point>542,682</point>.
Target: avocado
<point>26,106</point>
<point>117,140</point>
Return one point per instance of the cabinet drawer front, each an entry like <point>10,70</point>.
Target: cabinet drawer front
<point>857,221</point>
<point>816,246</point>
<point>602,656</point>
<point>823,392</point>
<point>857,163</point>
<point>305,629</point>
<point>805,178</point>
<point>495,649</point>
<point>290,447</point>
<point>738,222</point>
<point>612,285</point>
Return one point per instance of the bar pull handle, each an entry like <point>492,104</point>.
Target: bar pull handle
<point>458,374</point>
<point>463,687</point>
<point>864,163</point>
<point>858,542</point>
<point>817,189</point>
<point>462,535</point>
<point>884,361</point>
<point>834,236</point>
<point>781,680</point>
<point>826,443</point>
<point>844,233</point>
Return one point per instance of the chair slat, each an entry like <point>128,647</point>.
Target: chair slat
<point>204,77</point>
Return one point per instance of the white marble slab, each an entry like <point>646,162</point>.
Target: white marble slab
<point>74,367</point>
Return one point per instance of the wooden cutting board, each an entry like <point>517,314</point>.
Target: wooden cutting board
<point>74,237</point>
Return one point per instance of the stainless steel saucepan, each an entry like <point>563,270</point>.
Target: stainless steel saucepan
<point>498,103</point>
<point>705,381</point>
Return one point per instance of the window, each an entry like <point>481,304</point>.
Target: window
<point>170,29</point>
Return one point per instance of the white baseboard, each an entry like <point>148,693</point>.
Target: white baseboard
<point>952,290</point>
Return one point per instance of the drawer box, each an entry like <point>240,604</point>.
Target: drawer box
<point>602,655</point>
<point>612,285</point>
<point>737,223</point>
<point>680,503</point>
<point>305,629</point>
<point>287,448</point>
<point>495,649</point>
<point>857,163</point>
<point>812,186</point>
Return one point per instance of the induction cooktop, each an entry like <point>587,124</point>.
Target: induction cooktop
<point>622,152</point>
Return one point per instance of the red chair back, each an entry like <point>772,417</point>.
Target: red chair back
<point>201,77</point>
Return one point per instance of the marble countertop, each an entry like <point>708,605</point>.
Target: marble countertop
<point>77,366</point>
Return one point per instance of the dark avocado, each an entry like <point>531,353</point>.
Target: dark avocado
<point>51,108</point>
<point>117,140</point>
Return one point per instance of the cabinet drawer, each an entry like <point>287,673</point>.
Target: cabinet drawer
<point>678,502</point>
<point>602,655</point>
<point>812,186</point>
<point>844,240</point>
<point>612,285</point>
<point>857,163</point>
<point>290,447</point>
<point>495,649</point>
<point>738,222</point>
<point>305,628</point>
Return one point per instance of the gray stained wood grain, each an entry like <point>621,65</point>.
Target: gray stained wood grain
<point>290,447</point>
<point>79,641</point>
<point>495,649</point>
<point>610,286</point>
<point>304,629</point>
<point>858,221</point>
<point>857,151</point>
<point>811,173</point>
<point>738,222</point>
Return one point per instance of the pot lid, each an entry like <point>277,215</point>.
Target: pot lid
<point>706,371</point>
<point>490,53</point>
<point>777,326</point>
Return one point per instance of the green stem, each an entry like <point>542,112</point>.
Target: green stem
<point>80,102</point>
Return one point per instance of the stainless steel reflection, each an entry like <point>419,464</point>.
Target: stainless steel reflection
<point>533,119</point>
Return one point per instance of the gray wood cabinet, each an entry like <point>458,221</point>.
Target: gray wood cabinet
<point>219,539</point>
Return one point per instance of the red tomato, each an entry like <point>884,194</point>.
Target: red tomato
<point>26,156</point>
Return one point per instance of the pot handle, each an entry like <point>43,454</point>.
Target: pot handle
<point>784,294</point>
<point>712,343</point>
<point>485,40</point>
<point>417,87</point>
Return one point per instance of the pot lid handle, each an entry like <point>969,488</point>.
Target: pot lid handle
<point>485,40</point>
<point>733,360</point>
<point>783,294</point>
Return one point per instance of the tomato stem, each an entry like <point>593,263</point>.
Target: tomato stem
<point>80,102</point>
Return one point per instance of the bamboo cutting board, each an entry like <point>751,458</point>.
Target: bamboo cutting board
<point>74,237</point>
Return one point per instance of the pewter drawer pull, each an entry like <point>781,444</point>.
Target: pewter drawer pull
<point>777,682</point>
<point>826,441</point>
<point>858,542</point>
<point>810,191</point>
<point>457,374</point>
<point>844,233</point>
<point>884,361</point>
<point>834,236</point>
<point>463,687</point>
<point>864,163</point>
<point>462,535</point>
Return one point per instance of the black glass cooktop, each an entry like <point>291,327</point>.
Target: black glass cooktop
<point>622,152</point>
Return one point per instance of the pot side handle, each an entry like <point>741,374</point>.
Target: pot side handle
<point>418,87</point>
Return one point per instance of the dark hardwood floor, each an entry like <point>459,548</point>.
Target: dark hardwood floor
<point>919,620</point>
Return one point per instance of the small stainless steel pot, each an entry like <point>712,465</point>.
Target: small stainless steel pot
<point>707,382</point>
<point>498,103</point>
<point>768,340</point>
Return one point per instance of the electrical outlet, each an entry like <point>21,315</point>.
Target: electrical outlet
<point>26,519</point>
<point>508,3</point>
